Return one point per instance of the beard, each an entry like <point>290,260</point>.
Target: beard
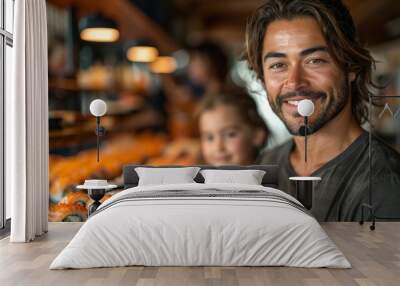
<point>331,106</point>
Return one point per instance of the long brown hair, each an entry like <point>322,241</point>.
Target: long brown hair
<point>340,34</point>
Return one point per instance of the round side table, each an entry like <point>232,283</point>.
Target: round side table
<point>96,193</point>
<point>304,189</point>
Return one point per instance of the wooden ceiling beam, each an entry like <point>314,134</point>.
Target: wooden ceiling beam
<point>133,23</point>
<point>232,7</point>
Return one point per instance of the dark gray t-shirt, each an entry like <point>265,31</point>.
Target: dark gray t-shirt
<point>345,180</point>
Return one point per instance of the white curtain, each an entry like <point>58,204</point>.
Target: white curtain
<point>27,123</point>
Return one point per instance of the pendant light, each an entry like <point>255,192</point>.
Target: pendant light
<point>163,65</point>
<point>97,28</point>
<point>141,51</point>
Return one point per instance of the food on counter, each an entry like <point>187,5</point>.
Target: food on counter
<point>66,173</point>
<point>76,197</point>
<point>67,212</point>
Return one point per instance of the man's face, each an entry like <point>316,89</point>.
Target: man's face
<point>297,65</point>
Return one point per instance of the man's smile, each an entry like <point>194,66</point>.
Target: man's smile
<point>290,104</point>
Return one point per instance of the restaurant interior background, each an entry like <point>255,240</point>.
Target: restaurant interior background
<point>150,99</point>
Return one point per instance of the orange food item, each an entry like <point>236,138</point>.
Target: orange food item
<point>67,172</point>
<point>76,197</point>
<point>67,213</point>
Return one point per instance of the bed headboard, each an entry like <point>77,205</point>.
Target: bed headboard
<point>270,178</point>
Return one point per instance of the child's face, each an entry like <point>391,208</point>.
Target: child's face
<point>225,139</point>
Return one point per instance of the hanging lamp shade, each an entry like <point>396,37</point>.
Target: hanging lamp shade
<point>142,54</point>
<point>141,50</point>
<point>97,28</point>
<point>163,65</point>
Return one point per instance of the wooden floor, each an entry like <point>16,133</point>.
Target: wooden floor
<point>375,256</point>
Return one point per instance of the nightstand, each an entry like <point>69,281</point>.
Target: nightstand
<point>96,190</point>
<point>304,189</point>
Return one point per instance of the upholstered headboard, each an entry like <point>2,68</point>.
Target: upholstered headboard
<point>270,178</point>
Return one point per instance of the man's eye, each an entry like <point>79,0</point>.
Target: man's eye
<point>316,61</point>
<point>276,66</point>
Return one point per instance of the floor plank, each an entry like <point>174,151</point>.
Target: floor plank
<point>375,257</point>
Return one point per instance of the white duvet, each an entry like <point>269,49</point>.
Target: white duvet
<point>183,231</point>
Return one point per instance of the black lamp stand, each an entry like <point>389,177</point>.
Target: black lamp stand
<point>304,193</point>
<point>369,206</point>
<point>100,131</point>
<point>305,137</point>
<point>96,195</point>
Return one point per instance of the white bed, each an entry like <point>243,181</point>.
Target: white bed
<point>201,224</point>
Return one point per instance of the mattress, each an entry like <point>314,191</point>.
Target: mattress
<point>201,225</point>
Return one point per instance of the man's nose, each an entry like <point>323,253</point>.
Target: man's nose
<point>295,79</point>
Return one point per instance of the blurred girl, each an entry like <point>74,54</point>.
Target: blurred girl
<point>231,129</point>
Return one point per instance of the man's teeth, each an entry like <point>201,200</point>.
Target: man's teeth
<point>294,102</point>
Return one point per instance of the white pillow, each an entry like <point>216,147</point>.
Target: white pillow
<point>249,177</point>
<point>162,176</point>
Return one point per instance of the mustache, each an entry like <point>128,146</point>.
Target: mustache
<point>304,93</point>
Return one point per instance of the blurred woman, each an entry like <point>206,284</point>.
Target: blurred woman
<point>231,129</point>
<point>208,68</point>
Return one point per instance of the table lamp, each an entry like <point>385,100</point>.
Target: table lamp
<point>305,108</point>
<point>97,188</point>
<point>98,108</point>
<point>304,185</point>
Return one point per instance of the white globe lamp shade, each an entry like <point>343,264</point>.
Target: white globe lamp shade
<point>305,107</point>
<point>98,107</point>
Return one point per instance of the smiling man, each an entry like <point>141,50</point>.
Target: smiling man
<point>308,49</point>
